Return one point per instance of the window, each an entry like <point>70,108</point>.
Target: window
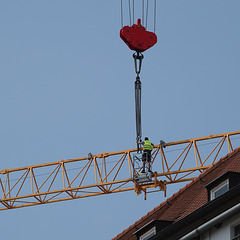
<point>219,190</point>
<point>236,233</point>
<point>222,184</point>
<point>148,234</point>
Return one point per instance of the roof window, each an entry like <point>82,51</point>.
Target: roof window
<point>219,190</point>
<point>222,184</point>
<point>151,229</point>
<point>148,234</point>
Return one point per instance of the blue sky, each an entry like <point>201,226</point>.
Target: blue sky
<point>67,89</point>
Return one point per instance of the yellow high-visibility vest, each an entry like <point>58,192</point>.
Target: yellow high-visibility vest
<point>147,145</point>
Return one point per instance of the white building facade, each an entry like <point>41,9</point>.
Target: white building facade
<point>226,226</point>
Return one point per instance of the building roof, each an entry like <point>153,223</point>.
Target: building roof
<point>188,199</point>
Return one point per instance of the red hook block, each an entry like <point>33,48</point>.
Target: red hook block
<point>137,37</point>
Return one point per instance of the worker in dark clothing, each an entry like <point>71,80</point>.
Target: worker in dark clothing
<point>146,156</point>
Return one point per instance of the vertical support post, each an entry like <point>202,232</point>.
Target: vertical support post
<point>195,152</point>
<point>129,164</point>
<point>95,169</point>
<point>230,147</point>
<point>9,189</point>
<point>63,175</point>
<point>2,188</point>
<point>31,171</point>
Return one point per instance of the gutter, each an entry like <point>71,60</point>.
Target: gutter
<point>206,226</point>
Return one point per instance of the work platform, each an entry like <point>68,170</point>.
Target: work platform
<point>145,180</point>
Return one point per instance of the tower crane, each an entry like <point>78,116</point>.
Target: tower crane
<point>108,173</point>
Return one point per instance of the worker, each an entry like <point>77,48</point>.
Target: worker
<point>146,156</point>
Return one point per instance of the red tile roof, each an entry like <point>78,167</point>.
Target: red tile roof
<point>187,199</point>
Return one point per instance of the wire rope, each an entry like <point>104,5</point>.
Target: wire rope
<point>133,11</point>
<point>155,15</point>
<point>130,16</point>
<point>122,13</point>
<point>143,12</point>
<point>147,13</point>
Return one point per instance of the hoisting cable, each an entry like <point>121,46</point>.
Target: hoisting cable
<point>130,16</point>
<point>138,57</point>
<point>122,13</point>
<point>147,14</point>
<point>143,12</point>
<point>155,15</point>
<point>133,11</point>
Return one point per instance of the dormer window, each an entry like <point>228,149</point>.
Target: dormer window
<point>222,184</point>
<point>219,190</point>
<point>151,229</point>
<point>148,234</point>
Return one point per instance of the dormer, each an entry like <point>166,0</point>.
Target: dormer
<point>151,229</point>
<point>222,184</point>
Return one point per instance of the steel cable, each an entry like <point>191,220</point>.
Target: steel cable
<point>147,13</point>
<point>122,13</point>
<point>155,15</point>
<point>133,11</point>
<point>130,16</point>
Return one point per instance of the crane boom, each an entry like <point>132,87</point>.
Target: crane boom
<point>107,173</point>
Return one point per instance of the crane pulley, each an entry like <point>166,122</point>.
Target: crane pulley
<point>137,37</point>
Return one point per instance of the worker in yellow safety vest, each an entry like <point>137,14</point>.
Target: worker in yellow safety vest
<point>146,156</point>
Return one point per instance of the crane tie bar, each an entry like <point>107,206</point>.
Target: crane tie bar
<point>138,57</point>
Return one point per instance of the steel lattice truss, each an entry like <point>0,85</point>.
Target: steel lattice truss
<point>107,173</point>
